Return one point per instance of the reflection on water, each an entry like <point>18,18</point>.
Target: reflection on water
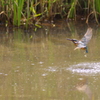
<point>83,86</point>
<point>33,65</point>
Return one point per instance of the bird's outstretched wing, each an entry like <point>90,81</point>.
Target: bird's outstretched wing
<point>87,36</point>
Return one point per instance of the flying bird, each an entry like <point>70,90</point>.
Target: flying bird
<point>82,44</point>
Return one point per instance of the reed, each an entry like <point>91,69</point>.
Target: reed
<point>17,7</point>
<point>30,11</point>
<point>96,4</point>
<point>72,10</point>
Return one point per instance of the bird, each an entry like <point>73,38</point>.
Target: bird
<point>82,44</point>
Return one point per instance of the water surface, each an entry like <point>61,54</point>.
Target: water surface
<point>42,65</point>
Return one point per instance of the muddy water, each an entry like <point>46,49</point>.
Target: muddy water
<point>42,65</point>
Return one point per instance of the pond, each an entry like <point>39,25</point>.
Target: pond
<point>43,65</point>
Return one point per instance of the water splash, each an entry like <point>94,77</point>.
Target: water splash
<point>85,68</point>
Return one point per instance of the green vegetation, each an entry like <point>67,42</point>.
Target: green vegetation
<point>32,12</point>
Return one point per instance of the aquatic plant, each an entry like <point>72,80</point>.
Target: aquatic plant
<point>26,12</point>
<point>17,7</point>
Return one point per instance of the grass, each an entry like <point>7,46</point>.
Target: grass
<point>18,8</point>
<point>31,12</point>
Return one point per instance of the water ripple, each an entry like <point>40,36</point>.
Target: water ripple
<point>52,69</point>
<point>85,68</point>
